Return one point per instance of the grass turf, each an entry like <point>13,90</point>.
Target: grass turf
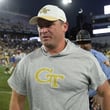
<point>5,91</point>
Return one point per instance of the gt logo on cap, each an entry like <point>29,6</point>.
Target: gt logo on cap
<point>44,10</point>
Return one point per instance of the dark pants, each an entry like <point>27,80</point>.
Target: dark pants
<point>90,103</point>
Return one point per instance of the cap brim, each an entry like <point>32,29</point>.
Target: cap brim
<point>34,19</point>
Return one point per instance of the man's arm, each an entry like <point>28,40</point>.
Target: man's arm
<point>104,91</point>
<point>17,101</point>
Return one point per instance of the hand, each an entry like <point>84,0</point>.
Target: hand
<point>97,102</point>
<point>95,105</point>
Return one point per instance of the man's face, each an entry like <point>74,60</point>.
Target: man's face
<point>51,32</point>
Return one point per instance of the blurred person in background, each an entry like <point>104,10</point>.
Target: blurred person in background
<point>108,54</point>
<point>83,39</point>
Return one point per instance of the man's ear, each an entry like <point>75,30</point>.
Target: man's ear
<point>66,25</point>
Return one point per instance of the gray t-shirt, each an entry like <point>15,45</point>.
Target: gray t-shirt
<point>57,82</point>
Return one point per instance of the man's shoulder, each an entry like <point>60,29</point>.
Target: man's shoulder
<point>98,54</point>
<point>35,53</point>
<point>32,55</point>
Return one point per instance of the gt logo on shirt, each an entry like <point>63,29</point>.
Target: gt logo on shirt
<point>46,76</point>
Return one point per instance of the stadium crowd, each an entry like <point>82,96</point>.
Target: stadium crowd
<point>15,32</point>
<point>13,46</point>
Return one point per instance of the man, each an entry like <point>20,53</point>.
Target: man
<point>56,76</point>
<point>83,39</point>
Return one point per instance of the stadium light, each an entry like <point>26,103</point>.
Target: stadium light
<point>1,1</point>
<point>65,2</point>
<point>3,4</point>
<point>107,9</point>
<point>33,38</point>
<point>101,31</point>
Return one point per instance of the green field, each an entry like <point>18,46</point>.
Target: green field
<point>5,91</point>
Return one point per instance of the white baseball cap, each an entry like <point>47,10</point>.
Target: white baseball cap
<point>50,13</point>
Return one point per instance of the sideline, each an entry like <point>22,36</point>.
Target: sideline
<point>7,92</point>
